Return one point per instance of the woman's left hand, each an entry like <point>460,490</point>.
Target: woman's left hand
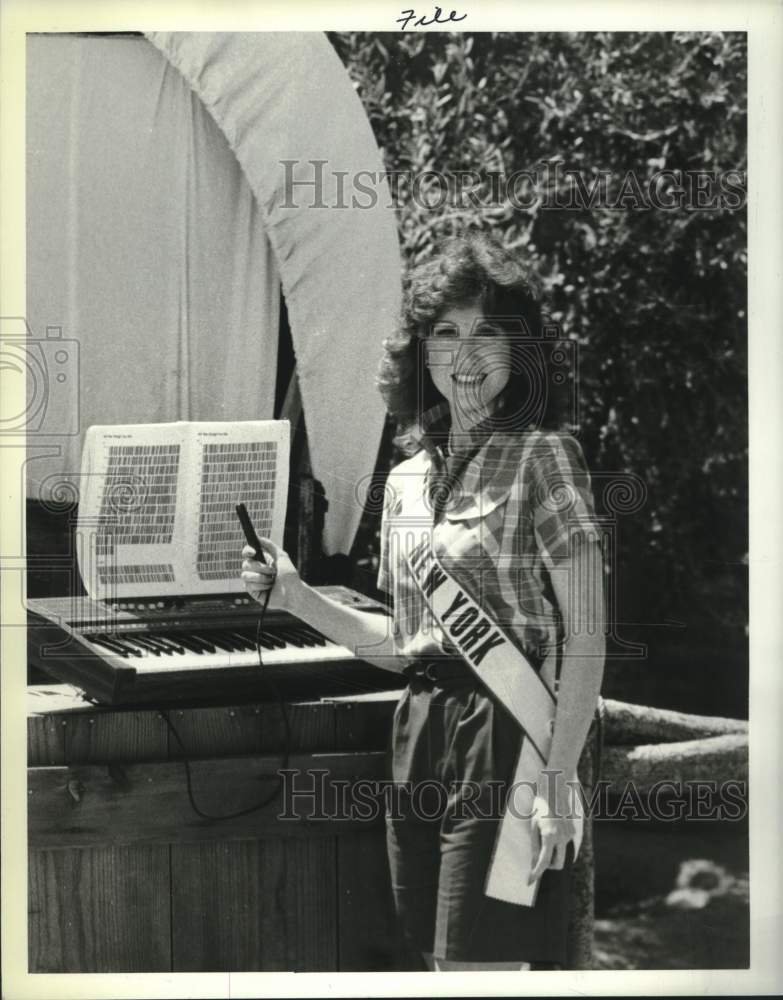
<point>553,830</point>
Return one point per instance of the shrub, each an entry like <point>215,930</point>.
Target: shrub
<point>655,299</point>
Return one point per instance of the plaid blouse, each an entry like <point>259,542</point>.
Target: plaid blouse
<point>505,530</point>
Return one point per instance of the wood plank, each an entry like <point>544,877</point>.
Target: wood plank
<point>311,904</point>
<point>108,737</point>
<point>223,730</point>
<point>253,728</point>
<point>91,734</point>
<point>231,901</point>
<point>84,805</point>
<point>103,909</point>
<point>269,905</point>
<point>228,907</point>
<point>45,741</point>
<point>311,724</point>
<point>206,732</point>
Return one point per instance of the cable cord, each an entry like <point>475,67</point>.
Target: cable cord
<point>286,749</point>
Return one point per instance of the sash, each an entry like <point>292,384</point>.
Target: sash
<point>507,673</point>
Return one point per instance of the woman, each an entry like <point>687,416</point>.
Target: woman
<point>506,507</point>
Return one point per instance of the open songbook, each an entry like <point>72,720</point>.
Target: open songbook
<point>157,504</point>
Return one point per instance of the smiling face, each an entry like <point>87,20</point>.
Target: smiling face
<point>469,360</point>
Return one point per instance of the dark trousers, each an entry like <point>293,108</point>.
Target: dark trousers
<point>450,742</point>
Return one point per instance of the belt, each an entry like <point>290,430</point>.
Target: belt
<point>434,671</point>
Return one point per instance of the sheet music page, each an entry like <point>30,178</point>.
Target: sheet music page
<point>232,462</point>
<point>156,515</point>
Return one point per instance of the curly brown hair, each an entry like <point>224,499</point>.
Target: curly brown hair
<point>473,267</point>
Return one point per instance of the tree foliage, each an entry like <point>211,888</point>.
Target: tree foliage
<point>655,298</point>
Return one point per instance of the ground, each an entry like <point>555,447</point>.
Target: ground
<point>671,897</point>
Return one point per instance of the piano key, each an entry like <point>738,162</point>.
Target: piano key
<point>184,640</point>
<point>143,644</point>
<point>263,643</point>
<point>244,641</point>
<point>166,645</point>
<point>220,645</point>
<point>206,645</point>
<point>292,655</point>
<point>312,637</point>
<point>266,639</point>
<point>140,640</point>
<point>146,639</point>
<point>107,644</point>
<point>226,640</point>
<point>295,633</point>
<point>275,640</point>
<point>123,644</point>
<point>291,638</point>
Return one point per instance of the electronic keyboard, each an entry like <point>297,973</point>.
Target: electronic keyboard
<point>191,649</point>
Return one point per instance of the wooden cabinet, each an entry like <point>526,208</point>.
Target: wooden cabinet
<point>125,876</point>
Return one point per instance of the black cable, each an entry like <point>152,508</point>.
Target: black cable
<point>287,743</point>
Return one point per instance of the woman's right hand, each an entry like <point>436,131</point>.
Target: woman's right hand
<point>279,576</point>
